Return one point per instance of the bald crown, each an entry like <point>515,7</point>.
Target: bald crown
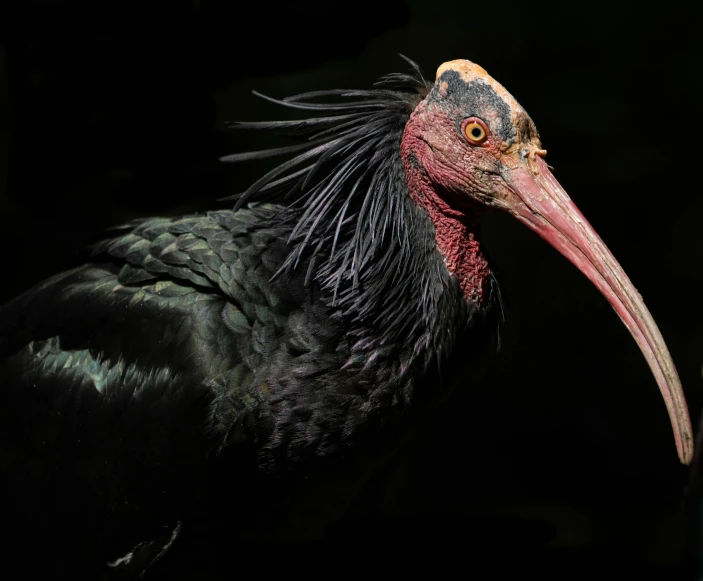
<point>469,87</point>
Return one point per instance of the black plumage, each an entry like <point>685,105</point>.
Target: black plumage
<point>259,349</point>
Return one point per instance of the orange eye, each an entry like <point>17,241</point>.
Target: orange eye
<point>475,132</point>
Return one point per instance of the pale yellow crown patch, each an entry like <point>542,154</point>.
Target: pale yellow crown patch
<point>469,71</point>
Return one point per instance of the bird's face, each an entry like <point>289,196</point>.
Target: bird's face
<point>474,145</point>
<point>468,134</point>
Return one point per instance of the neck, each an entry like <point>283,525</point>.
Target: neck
<point>455,231</point>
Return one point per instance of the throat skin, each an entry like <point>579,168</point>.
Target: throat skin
<point>456,228</point>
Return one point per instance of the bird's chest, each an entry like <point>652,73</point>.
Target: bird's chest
<point>309,397</point>
<point>327,440</point>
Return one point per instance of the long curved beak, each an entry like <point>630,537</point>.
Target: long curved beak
<point>543,205</point>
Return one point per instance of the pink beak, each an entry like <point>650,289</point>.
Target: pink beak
<point>543,205</point>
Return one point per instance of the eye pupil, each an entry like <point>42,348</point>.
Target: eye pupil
<point>475,132</point>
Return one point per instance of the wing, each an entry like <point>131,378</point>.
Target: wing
<point>109,411</point>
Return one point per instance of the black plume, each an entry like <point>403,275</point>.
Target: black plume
<point>344,176</point>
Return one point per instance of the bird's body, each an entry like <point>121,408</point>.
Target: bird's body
<point>175,352</point>
<point>260,364</point>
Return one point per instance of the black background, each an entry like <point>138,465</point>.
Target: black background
<point>563,451</point>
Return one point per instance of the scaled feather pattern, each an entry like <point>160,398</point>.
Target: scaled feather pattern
<point>298,333</point>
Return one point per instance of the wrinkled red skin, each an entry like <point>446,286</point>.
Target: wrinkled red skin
<point>454,217</point>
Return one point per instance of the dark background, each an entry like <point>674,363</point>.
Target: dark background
<point>562,455</point>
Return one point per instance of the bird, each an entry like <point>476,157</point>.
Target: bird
<point>247,370</point>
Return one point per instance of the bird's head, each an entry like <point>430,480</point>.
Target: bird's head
<point>465,144</point>
<point>468,136</point>
<point>470,144</point>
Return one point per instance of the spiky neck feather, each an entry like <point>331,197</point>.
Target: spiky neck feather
<point>368,226</point>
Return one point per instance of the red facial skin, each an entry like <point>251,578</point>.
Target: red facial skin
<point>451,178</point>
<point>434,184</point>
